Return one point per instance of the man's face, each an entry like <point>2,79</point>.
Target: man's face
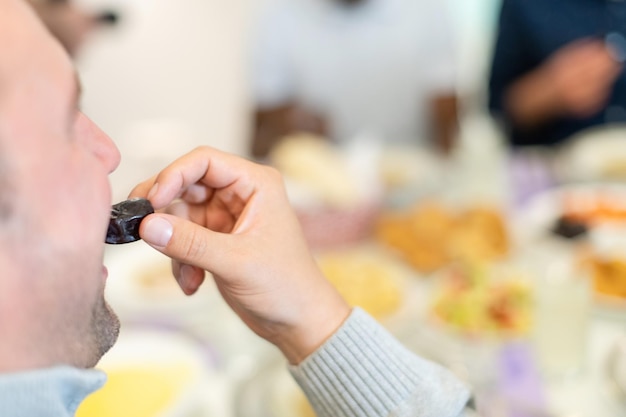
<point>52,238</point>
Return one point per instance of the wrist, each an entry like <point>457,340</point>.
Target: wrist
<point>318,321</point>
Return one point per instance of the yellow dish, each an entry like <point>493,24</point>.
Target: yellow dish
<point>150,373</point>
<point>138,392</point>
<point>366,278</point>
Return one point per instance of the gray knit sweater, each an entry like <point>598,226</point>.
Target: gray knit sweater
<point>362,370</point>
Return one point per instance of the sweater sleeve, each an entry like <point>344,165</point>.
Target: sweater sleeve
<point>362,370</point>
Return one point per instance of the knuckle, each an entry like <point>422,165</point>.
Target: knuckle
<point>193,246</point>
<point>274,174</point>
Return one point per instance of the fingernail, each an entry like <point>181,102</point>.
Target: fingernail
<point>186,276</point>
<point>153,191</point>
<point>157,231</point>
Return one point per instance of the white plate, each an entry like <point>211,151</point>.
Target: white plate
<point>540,214</point>
<point>597,153</point>
<point>141,285</point>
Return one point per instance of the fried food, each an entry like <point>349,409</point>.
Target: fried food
<point>429,235</point>
<point>364,279</point>
<point>420,235</point>
<point>609,276</point>
<point>479,234</point>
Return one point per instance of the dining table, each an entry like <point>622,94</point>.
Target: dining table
<point>561,365</point>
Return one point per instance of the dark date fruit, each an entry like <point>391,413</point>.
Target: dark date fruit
<point>126,217</point>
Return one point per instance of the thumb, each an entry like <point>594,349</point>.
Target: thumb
<point>183,240</point>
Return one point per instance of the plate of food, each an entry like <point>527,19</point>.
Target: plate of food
<point>570,210</point>
<point>472,313</point>
<point>595,154</point>
<point>431,234</point>
<point>588,221</point>
<point>481,301</point>
<point>370,277</point>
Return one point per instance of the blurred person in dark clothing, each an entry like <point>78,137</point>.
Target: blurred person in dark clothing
<point>344,68</point>
<point>71,24</point>
<point>557,68</point>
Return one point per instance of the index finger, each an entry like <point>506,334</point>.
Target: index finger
<point>210,167</point>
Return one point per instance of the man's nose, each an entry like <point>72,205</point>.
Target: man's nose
<point>102,146</point>
<point>108,151</point>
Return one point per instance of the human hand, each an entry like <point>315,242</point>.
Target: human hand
<point>579,77</point>
<point>226,215</point>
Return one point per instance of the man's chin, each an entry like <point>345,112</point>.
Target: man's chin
<point>106,327</point>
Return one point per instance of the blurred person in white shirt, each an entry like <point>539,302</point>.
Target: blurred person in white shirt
<point>344,68</point>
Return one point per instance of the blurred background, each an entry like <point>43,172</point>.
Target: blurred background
<point>505,263</point>
<point>181,69</point>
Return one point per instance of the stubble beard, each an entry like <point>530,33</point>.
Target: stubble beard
<point>106,328</point>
